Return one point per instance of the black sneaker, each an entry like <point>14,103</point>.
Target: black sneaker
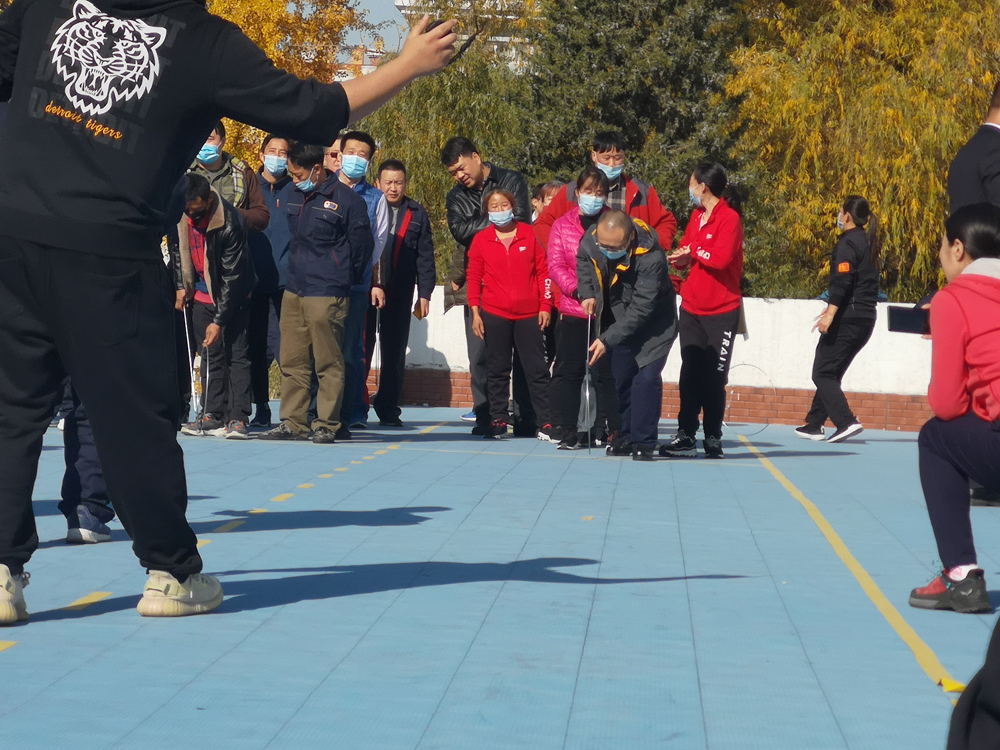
<point>282,432</point>
<point>324,436</point>
<point>619,446</point>
<point>681,445</point>
<point>642,453</point>
<point>550,434</point>
<point>343,433</point>
<point>262,418</point>
<point>205,426</point>
<point>481,429</point>
<point>845,432</point>
<point>496,431</point>
<point>598,438</point>
<point>967,596</point>
<point>713,447</point>
<point>572,441</point>
<point>237,430</point>
<point>525,430</point>
<point>395,422</point>
<point>807,432</point>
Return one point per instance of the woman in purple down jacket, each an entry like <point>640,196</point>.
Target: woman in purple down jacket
<point>568,372</point>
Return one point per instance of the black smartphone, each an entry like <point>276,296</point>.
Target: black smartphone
<point>461,50</point>
<point>909,320</point>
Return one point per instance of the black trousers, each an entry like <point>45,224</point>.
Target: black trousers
<point>83,482</point>
<point>503,338</point>
<point>952,453</point>
<point>228,392</point>
<point>109,324</point>
<point>525,419</point>
<point>835,351</point>
<point>569,371</point>
<point>393,336</point>
<point>975,723</point>
<point>640,395</point>
<point>706,353</point>
<point>262,349</point>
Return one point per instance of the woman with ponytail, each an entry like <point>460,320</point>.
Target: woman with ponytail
<point>846,324</point>
<point>712,247</point>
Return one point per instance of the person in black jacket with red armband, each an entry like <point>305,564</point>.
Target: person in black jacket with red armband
<point>406,263</point>
<point>846,324</point>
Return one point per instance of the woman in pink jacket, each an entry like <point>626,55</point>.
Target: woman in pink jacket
<point>568,372</point>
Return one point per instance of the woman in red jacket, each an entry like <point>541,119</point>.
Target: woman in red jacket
<point>712,247</point>
<point>510,297</point>
<point>962,441</point>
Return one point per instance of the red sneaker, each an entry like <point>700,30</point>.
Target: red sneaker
<point>967,596</point>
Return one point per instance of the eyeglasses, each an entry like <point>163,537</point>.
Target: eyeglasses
<point>617,249</point>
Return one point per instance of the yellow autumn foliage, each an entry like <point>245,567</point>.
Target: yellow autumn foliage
<point>844,97</point>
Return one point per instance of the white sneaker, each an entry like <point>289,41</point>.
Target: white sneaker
<point>165,596</point>
<point>86,536</point>
<point>12,606</point>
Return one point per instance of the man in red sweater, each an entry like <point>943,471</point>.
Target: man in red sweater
<point>961,442</point>
<point>633,196</point>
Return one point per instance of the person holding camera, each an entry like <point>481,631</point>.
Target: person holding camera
<point>962,441</point>
<point>846,324</point>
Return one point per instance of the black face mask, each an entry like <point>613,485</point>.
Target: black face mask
<point>197,218</point>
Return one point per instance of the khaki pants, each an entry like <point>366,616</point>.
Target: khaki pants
<point>312,330</point>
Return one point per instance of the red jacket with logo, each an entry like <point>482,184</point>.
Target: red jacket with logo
<point>965,330</point>
<point>511,283</point>
<point>713,285</point>
<point>641,202</point>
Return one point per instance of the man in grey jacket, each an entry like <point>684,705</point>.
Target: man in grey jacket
<point>623,280</point>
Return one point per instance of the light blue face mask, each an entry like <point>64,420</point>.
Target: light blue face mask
<point>591,205</point>
<point>276,165</point>
<point>612,172</point>
<point>695,200</point>
<point>308,185</point>
<point>353,166</point>
<point>840,224</point>
<point>613,254</point>
<point>501,218</point>
<point>209,154</point>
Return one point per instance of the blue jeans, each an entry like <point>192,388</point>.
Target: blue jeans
<point>354,408</point>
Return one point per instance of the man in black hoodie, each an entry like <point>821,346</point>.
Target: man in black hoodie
<point>117,96</point>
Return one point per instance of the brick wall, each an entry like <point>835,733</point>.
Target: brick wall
<point>879,411</point>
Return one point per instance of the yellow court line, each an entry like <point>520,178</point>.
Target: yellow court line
<point>393,447</point>
<point>356,462</point>
<point>255,511</point>
<point>203,542</point>
<point>429,430</point>
<point>342,468</point>
<point>380,453</point>
<point>228,527</point>
<point>925,656</point>
<point>305,486</point>
<point>282,498</point>
<point>368,458</point>
<point>325,476</point>
<point>86,601</point>
<point>4,645</point>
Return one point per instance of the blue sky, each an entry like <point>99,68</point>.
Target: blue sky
<point>381,10</point>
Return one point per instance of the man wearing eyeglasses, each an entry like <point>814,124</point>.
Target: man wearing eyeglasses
<point>626,287</point>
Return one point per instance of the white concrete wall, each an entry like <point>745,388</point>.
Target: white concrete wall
<point>778,353</point>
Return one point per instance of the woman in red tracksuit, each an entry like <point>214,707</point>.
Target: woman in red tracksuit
<point>510,297</point>
<point>712,247</point>
<point>962,441</point>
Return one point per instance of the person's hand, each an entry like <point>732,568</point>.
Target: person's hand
<point>212,334</point>
<point>378,297</point>
<point>597,350</point>
<point>477,326</point>
<point>824,320</point>
<point>544,318</point>
<point>423,306</point>
<point>589,306</point>
<point>181,300</point>
<point>455,287</point>
<point>681,258</point>
<point>427,52</point>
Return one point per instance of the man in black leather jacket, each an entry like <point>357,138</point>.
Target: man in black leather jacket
<point>466,218</point>
<point>214,270</point>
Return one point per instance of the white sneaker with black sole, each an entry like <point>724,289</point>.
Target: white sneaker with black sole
<point>811,433</point>
<point>845,432</point>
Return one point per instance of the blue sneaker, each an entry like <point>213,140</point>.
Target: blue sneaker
<point>87,529</point>
<point>470,417</point>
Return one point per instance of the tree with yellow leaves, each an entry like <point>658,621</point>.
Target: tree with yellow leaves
<point>858,96</point>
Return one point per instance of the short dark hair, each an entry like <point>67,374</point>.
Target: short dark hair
<point>273,137</point>
<point>392,164</point>
<point>220,129</point>
<point>609,140</point>
<point>978,227</point>
<point>499,191</point>
<point>995,99</point>
<point>197,187</point>
<point>456,148</point>
<point>858,209</point>
<point>591,175</point>
<point>361,137</point>
<point>305,155</point>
